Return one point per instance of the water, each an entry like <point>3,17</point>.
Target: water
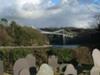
<point>65,46</point>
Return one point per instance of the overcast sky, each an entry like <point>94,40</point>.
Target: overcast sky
<point>51,13</point>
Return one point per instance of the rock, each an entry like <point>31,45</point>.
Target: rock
<point>45,69</point>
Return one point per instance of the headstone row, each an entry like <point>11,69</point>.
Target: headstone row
<point>26,66</point>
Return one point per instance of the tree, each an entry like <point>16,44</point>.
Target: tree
<point>5,39</point>
<point>4,21</point>
<point>19,35</point>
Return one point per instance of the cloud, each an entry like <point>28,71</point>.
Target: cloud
<point>46,13</point>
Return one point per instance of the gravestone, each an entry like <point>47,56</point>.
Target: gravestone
<point>24,64</point>
<point>25,72</point>
<point>31,60</point>
<point>45,69</point>
<point>19,65</point>
<point>95,71</point>
<point>96,56</point>
<point>53,61</point>
<point>62,68</point>
<point>28,71</point>
<point>33,71</point>
<point>70,70</point>
<point>1,68</point>
<point>96,68</point>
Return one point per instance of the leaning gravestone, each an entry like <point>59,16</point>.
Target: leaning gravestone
<point>45,69</point>
<point>24,64</point>
<point>1,67</point>
<point>70,70</point>
<point>53,61</point>
<point>96,69</point>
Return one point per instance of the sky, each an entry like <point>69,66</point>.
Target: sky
<point>51,13</point>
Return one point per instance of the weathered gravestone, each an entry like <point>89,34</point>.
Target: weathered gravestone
<point>24,64</point>
<point>62,68</point>
<point>1,68</point>
<point>19,65</point>
<point>45,69</point>
<point>25,72</point>
<point>70,70</point>
<point>53,61</point>
<point>96,56</point>
<point>31,60</point>
<point>95,71</point>
<point>96,68</point>
<point>33,71</point>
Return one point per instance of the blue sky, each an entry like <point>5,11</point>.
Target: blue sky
<point>56,1</point>
<point>51,13</point>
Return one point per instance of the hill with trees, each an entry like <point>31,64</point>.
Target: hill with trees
<point>13,34</point>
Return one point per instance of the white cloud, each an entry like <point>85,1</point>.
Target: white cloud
<point>34,8</point>
<point>46,13</point>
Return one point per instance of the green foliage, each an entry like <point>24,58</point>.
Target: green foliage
<point>11,55</point>
<point>62,53</point>
<point>5,39</point>
<point>19,53</point>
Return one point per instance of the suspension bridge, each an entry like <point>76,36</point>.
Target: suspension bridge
<point>65,34</point>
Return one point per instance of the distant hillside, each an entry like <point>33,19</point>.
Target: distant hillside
<point>13,34</point>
